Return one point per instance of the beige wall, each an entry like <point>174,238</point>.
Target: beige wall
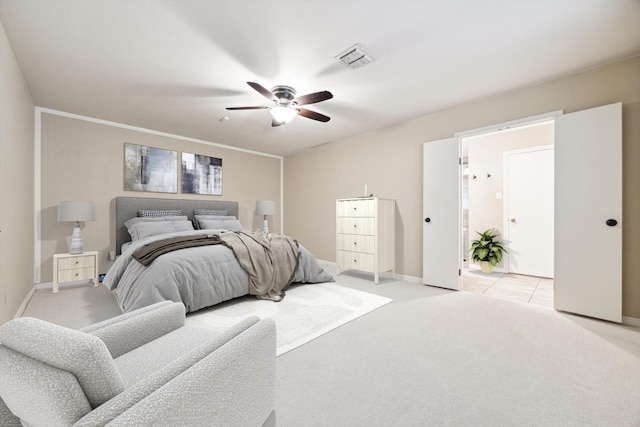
<point>16,184</point>
<point>390,163</point>
<point>83,160</point>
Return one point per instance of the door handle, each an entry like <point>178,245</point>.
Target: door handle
<point>611,222</point>
<point>513,220</point>
<point>427,220</point>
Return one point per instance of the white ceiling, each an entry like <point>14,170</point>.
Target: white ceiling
<point>173,66</point>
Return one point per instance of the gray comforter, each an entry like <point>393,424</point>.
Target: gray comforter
<point>198,277</point>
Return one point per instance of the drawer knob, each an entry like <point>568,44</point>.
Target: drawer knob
<point>77,262</point>
<point>355,243</point>
<point>77,274</point>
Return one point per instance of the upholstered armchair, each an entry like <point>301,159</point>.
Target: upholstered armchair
<point>143,368</point>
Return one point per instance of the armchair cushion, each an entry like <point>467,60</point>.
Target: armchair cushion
<point>83,355</point>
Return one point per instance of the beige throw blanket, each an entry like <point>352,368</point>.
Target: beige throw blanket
<point>270,260</point>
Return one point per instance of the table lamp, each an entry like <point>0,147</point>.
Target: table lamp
<point>265,207</point>
<point>76,212</point>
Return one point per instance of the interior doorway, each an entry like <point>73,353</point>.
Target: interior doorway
<point>502,171</point>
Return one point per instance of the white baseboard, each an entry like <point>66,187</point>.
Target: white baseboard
<point>398,276</point>
<point>631,321</point>
<point>25,302</point>
<point>49,285</point>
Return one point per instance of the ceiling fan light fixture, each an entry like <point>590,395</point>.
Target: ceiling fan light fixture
<point>283,114</point>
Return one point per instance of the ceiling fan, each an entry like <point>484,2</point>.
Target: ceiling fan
<point>286,105</point>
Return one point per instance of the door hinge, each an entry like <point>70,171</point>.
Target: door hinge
<point>459,272</point>
<point>459,160</point>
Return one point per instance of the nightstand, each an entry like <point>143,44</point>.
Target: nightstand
<point>72,267</point>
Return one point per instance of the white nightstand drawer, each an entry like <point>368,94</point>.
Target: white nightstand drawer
<point>76,274</point>
<point>356,243</point>
<point>76,262</point>
<point>356,260</point>
<point>364,226</point>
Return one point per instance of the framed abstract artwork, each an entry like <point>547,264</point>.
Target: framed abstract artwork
<point>201,174</point>
<point>150,169</point>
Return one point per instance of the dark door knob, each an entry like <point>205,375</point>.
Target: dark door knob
<point>427,220</point>
<point>612,222</point>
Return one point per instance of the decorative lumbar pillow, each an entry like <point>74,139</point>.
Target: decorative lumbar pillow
<point>222,212</point>
<point>154,213</point>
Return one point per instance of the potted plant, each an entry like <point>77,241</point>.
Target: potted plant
<point>486,251</point>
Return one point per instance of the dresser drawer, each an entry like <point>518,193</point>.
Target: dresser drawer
<point>365,226</point>
<point>356,208</point>
<point>76,262</point>
<point>356,260</point>
<point>76,274</point>
<point>356,243</point>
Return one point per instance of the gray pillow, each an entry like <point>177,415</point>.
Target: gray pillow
<point>219,224</point>
<point>136,220</point>
<point>141,230</point>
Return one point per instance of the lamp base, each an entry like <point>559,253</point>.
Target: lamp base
<point>76,240</point>
<point>265,225</point>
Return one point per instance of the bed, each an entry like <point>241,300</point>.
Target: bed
<point>199,276</point>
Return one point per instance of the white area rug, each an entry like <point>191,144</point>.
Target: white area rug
<point>306,312</point>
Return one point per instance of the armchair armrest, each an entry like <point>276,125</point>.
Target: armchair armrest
<point>130,330</point>
<point>233,386</point>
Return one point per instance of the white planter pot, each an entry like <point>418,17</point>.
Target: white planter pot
<point>486,266</point>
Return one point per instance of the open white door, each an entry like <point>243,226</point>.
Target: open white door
<point>588,213</point>
<point>441,208</point>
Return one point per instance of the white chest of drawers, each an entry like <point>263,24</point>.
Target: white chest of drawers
<point>365,235</point>
<point>69,268</point>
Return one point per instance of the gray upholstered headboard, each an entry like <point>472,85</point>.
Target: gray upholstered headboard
<point>128,207</point>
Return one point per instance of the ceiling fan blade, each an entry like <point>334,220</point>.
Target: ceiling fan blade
<point>247,108</point>
<point>313,115</point>
<point>263,91</point>
<point>312,98</point>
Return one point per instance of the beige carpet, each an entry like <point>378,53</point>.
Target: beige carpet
<point>307,312</point>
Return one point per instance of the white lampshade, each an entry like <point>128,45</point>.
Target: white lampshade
<point>283,114</point>
<point>265,207</point>
<point>76,212</point>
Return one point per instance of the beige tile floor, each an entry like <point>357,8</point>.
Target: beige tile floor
<point>529,289</point>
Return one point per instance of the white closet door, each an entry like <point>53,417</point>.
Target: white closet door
<point>441,208</point>
<point>588,200</point>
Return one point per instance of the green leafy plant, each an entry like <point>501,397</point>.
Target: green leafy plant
<point>486,248</point>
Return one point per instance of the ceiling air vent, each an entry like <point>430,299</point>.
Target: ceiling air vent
<point>354,57</point>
